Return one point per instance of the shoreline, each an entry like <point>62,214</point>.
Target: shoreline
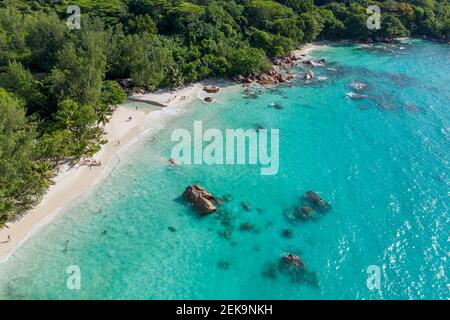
<point>72,182</point>
<point>307,48</point>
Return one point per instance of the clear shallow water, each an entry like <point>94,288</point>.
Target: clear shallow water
<point>383,166</point>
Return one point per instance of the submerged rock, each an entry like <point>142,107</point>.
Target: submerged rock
<point>226,234</point>
<point>227,198</point>
<point>219,201</point>
<point>287,233</point>
<point>305,212</point>
<point>293,266</point>
<point>278,106</point>
<point>306,277</point>
<point>226,221</point>
<point>411,107</point>
<point>290,214</point>
<point>299,213</point>
<point>270,270</point>
<point>302,277</point>
<point>224,265</point>
<point>246,227</point>
<point>292,262</point>
<point>357,95</point>
<point>172,229</point>
<point>246,206</point>
<point>317,201</point>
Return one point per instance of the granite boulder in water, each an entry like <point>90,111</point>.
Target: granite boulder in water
<point>309,75</point>
<point>201,198</point>
<point>317,201</point>
<point>292,262</point>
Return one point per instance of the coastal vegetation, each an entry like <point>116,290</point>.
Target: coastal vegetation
<point>58,86</point>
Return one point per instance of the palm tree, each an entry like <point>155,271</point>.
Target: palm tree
<point>176,77</point>
<point>103,112</point>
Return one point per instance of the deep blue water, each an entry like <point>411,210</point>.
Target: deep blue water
<point>382,162</point>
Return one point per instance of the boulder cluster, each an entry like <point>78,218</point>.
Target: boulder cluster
<point>289,264</point>
<point>273,76</point>
<point>311,204</point>
<point>211,89</point>
<point>292,261</point>
<point>313,64</point>
<point>285,62</point>
<point>203,201</point>
<point>292,266</point>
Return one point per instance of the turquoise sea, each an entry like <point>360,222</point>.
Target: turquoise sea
<point>382,162</point>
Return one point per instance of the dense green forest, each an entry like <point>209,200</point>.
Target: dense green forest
<point>57,86</point>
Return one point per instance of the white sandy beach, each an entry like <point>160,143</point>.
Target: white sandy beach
<point>70,183</point>
<point>307,48</point>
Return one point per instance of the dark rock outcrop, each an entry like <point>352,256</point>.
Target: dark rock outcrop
<point>305,212</point>
<point>278,106</point>
<point>292,262</point>
<point>274,75</point>
<point>201,198</point>
<point>311,63</point>
<point>317,201</point>
<point>211,89</point>
<point>309,75</point>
